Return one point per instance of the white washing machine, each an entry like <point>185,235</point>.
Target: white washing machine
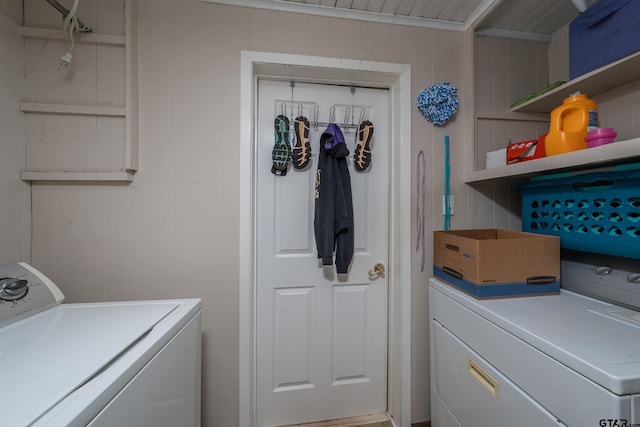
<point>98,364</point>
<point>561,360</point>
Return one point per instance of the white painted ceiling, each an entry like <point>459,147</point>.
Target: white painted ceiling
<point>532,16</point>
<point>535,17</point>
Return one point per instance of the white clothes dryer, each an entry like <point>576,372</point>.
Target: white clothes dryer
<point>559,360</point>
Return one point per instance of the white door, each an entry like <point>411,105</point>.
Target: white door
<point>321,337</point>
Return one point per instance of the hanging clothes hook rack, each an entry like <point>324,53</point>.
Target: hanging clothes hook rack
<point>349,115</point>
<point>346,126</point>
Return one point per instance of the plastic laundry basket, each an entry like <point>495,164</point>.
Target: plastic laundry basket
<point>595,212</point>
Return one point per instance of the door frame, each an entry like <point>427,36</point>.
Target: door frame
<point>397,79</point>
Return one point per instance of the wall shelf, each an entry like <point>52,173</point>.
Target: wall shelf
<point>81,121</point>
<point>596,82</point>
<point>51,34</point>
<point>616,74</point>
<point>116,176</point>
<point>79,110</point>
<point>617,152</point>
<point>510,115</point>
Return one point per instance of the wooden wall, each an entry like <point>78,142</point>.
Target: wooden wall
<point>15,209</point>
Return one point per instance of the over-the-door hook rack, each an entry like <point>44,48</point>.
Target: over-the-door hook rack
<point>349,114</point>
<point>348,117</point>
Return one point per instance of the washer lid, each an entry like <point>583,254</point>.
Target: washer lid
<point>45,357</point>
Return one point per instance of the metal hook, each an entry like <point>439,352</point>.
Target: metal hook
<point>363,114</point>
<point>347,114</point>
<point>284,109</point>
<point>316,111</point>
<point>300,110</point>
<point>332,114</point>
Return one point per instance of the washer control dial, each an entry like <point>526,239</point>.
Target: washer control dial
<point>12,289</point>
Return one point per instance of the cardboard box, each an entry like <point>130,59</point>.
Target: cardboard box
<point>526,150</point>
<point>607,31</point>
<point>494,263</point>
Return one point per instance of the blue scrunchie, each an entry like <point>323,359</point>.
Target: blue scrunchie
<point>438,103</point>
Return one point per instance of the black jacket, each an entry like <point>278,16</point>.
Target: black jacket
<point>333,222</point>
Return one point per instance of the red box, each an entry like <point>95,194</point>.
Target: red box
<point>525,150</point>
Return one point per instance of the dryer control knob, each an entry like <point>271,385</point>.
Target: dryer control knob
<point>603,271</point>
<point>633,278</point>
<point>13,289</point>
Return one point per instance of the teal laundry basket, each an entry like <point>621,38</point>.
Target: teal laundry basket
<point>594,212</point>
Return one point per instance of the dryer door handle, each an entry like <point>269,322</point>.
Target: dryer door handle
<point>483,377</point>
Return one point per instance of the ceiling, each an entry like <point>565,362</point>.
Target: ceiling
<point>535,19</point>
<point>532,16</point>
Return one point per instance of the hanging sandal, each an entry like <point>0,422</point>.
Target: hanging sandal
<point>362,153</point>
<point>302,146</point>
<point>281,152</point>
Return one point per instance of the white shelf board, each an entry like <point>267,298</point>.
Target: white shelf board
<point>511,116</point>
<point>115,176</point>
<point>50,34</point>
<point>81,110</point>
<point>616,152</point>
<point>611,76</point>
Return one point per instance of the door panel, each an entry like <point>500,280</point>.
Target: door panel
<point>321,337</point>
<point>292,332</point>
<point>350,333</point>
